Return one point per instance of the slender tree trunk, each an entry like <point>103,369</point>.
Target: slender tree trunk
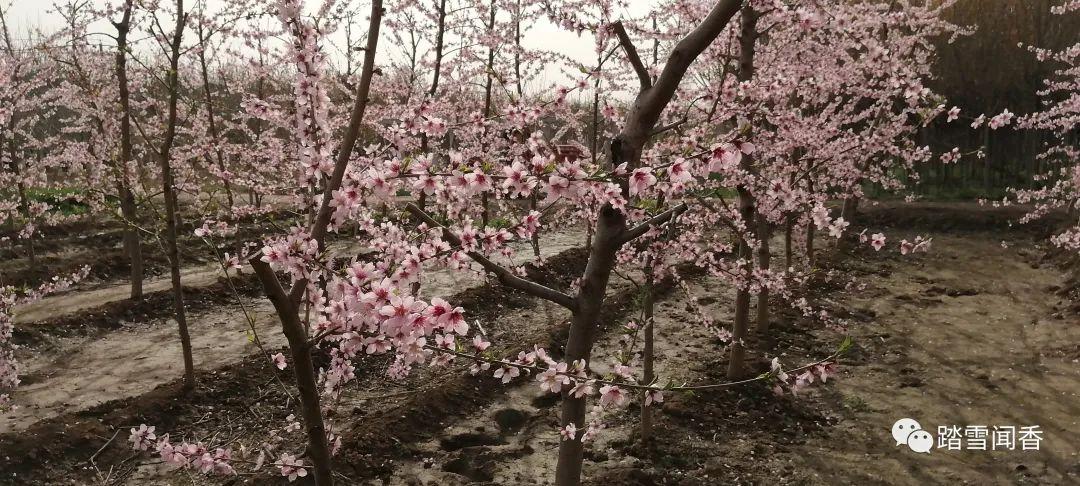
<point>583,327</point>
<point>204,72</point>
<point>303,369</point>
<point>440,34</point>
<point>851,209</point>
<point>747,207</point>
<point>536,234</point>
<point>986,160</point>
<point>764,255</point>
<point>132,243</point>
<point>647,350</point>
<point>595,145</point>
<point>286,303</point>
<point>849,213</point>
<point>484,202</point>
<point>789,227</point>
<point>24,200</point>
<point>517,49</point>
<point>172,216</point>
<point>742,295</point>
<point>128,208</point>
<point>811,258</point>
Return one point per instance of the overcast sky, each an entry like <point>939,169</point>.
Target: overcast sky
<point>24,15</point>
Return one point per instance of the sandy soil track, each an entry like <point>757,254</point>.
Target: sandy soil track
<point>971,335</point>
<point>80,373</point>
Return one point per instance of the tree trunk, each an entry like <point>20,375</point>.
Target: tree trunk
<point>286,303</point>
<point>132,245</point>
<point>742,296</point>
<point>490,67</point>
<point>849,213</point>
<point>851,209</point>
<point>583,326</point>
<point>24,203</point>
<point>747,43</point>
<point>210,116</point>
<point>536,234</point>
<point>610,226</point>
<point>303,369</point>
<point>128,210</point>
<point>987,185</point>
<point>788,253</point>
<point>172,218</point>
<point>647,351</point>
<point>764,255</point>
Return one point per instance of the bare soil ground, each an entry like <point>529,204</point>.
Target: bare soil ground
<point>973,333</point>
<point>76,373</point>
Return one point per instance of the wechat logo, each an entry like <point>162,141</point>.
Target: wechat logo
<point>908,431</point>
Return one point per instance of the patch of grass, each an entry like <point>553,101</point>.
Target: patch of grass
<point>854,404</point>
<point>499,223</point>
<point>62,199</point>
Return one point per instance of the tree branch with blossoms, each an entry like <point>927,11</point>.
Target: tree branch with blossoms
<point>505,276</point>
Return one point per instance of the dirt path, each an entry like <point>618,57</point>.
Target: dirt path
<point>964,335</point>
<point>80,300</point>
<point>967,336</point>
<point>515,439</point>
<point>82,373</point>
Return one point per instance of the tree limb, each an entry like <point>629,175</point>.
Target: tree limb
<point>505,276</point>
<point>632,55</point>
<point>345,150</point>
<point>659,219</point>
<point>650,103</point>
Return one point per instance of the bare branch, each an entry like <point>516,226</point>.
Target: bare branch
<point>669,126</point>
<point>632,55</point>
<point>505,276</point>
<point>657,220</point>
<point>650,103</point>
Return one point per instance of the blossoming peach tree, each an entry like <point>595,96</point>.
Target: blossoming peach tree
<point>420,177</point>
